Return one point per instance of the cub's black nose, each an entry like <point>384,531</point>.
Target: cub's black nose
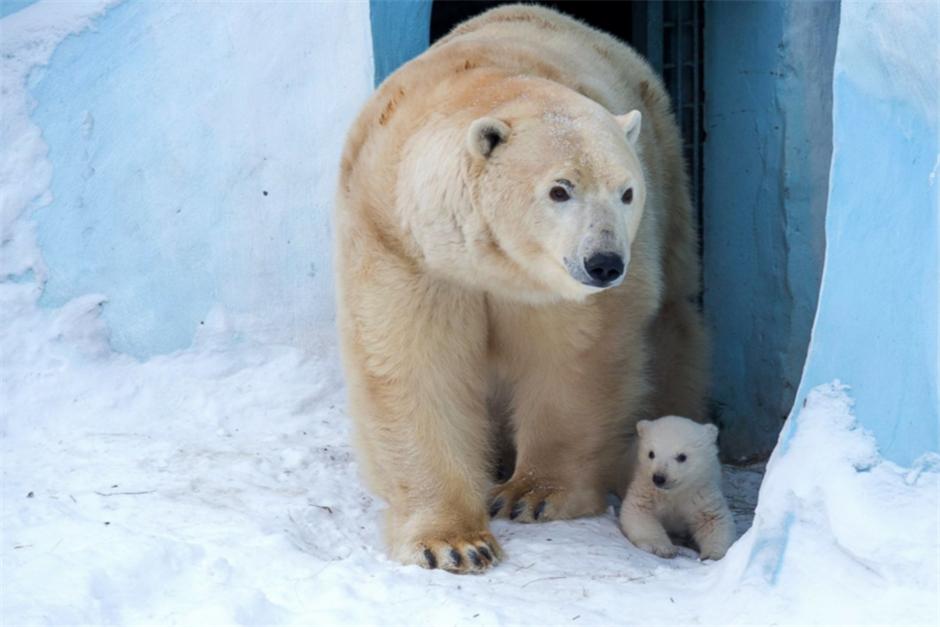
<point>659,479</point>
<point>604,268</point>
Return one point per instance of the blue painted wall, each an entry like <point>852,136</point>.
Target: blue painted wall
<point>876,328</point>
<point>401,30</point>
<point>768,70</point>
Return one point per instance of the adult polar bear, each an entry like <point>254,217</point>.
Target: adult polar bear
<point>512,258</point>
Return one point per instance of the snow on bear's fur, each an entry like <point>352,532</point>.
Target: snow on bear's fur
<point>516,274</point>
<point>676,489</point>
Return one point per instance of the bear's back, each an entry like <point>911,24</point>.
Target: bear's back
<point>512,40</point>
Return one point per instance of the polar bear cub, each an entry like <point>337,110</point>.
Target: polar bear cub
<point>676,488</point>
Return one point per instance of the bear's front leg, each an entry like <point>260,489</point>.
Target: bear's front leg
<point>573,395</point>
<point>713,529</point>
<point>414,352</point>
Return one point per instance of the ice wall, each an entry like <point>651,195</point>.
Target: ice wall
<point>194,153</point>
<point>12,6</point>
<point>852,483</point>
<point>876,328</point>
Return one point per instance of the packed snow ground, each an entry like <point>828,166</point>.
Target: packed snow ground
<point>216,485</point>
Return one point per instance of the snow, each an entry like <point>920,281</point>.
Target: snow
<point>216,484</point>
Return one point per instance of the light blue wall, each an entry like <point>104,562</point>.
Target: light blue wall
<point>12,6</point>
<point>400,31</point>
<point>768,69</point>
<point>876,328</point>
<point>194,165</point>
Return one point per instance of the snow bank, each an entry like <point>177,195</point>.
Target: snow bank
<point>218,486</point>
<point>841,535</point>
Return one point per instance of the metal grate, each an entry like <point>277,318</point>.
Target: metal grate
<point>682,58</point>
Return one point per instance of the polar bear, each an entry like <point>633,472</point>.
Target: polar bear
<point>676,489</point>
<point>516,273</point>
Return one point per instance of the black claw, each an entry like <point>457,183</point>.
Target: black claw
<point>517,508</point>
<point>475,558</point>
<point>429,556</point>
<point>456,557</point>
<point>539,510</point>
<point>485,552</point>
<point>495,506</point>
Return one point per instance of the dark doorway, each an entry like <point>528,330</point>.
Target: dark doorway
<point>617,18</point>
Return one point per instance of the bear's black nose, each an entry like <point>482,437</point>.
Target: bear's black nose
<point>604,268</point>
<point>659,479</point>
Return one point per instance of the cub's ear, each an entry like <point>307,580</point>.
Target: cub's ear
<point>630,123</point>
<point>641,427</point>
<point>485,135</point>
<point>711,431</point>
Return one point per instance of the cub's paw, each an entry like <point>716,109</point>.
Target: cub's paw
<point>457,553</point>
<point>662,549</point>
<point>712,552</point>
<point>528,499</point>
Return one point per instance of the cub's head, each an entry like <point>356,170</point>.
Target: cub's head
<point>673,452</point>
<point>557,181</point>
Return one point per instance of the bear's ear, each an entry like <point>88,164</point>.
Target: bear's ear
<point>712,432</point>
<point>485,135</point>
<point>641,427</point>
<point>630,123</point>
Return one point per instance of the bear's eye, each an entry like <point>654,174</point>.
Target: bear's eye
<point>559,194</point>
<point>681,457</point>
<point>652,455</point>
<point>627,197</point>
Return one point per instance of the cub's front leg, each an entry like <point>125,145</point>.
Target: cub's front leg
<point>414,356</point>
<point>639,523</point>
<point>713,528</point>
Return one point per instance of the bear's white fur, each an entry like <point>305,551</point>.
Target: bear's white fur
<point>676,489</point>
<point>470,329</point>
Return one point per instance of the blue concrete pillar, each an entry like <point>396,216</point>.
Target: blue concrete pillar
<point>768,77</point>
<point>400,31</point>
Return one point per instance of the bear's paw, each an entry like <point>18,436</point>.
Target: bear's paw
<point>528,499</point>
<point>457,553</point>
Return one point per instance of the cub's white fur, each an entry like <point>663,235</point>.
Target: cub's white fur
<point>676,488</point>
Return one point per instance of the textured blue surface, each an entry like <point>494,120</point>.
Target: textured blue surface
<point>768,83</point>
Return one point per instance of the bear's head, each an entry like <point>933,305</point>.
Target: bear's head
<point>675,452</point>
<point>557,181</point>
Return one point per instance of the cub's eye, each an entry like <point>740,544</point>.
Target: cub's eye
<point>559,194</point>
<point>627,197</point>
<point>681,457</point>
<point>652,455</point>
